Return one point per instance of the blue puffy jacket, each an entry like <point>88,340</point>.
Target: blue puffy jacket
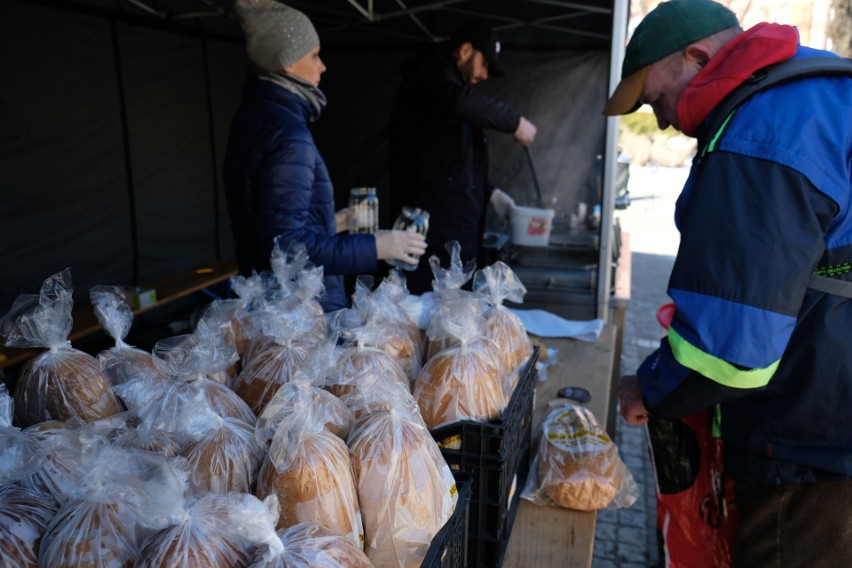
<point>277,184</point>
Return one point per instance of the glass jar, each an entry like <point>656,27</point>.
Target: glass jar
<point>411,219</point>
<point>365,219</point>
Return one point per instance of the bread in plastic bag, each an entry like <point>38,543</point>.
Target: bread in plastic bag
<point>464,382</point>
<point>61,383</point>
<point>498,283</point>
<point>357,358</point>
<point>210,530</point>
<point>20,453</point>
<point>405,488</point>
<point>224,455</point>
<point>310,471</point>
<point>120,362</point>
<point>24,516</point>
<point>381,309</point>
<point>99,525</point>
<point>300,283</point>
<point>576,464</point>
<point>182,358</point>
<point>331,411</point>
<point>307,545</point>
<point>271,363</point>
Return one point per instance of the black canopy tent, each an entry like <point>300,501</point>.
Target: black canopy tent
<point>115,115</point>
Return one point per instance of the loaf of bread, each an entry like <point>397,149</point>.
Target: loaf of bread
<point>268,369</point>
<point>313,480</point>
<point>460,383</point>
<point>226,402</point>
<point>24,516</point>
<point>330,410</point>
<point>123,363</point>
<point>59,471</point>
<point>506,330</point>
<point>403,349</point>
<point>405,488</point>
<point>189,545</point>
<point>307,545</point>
<point>578,464</point>
<point>356,361</point>
<point>90,533</point>
<point>63,384</point>
<point>225,458</point>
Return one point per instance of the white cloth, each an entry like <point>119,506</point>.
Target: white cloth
<point>546,324</point>
<point>537,322</point>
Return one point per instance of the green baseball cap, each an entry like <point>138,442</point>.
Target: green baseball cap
<point>667,29</point>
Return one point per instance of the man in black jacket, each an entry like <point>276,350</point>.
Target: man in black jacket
<point>438,147</point>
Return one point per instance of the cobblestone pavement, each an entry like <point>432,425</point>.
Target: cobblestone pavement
<point>626,538</point>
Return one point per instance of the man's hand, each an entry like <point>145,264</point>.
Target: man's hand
<point>406,246</point>
<point>525,133</point>
<point>630,395</point>
<point>502,203</point>
<point>341,219</point>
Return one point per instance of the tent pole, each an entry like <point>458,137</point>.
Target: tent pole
<point>605,260</point>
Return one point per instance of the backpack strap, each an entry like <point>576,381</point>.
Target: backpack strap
<point>830,285</point>
<point>769,76</point>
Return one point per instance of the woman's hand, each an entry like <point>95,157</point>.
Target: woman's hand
<point>406,246</point>
<point>341,219</point>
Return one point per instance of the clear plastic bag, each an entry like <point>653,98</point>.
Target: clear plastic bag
<point>576,464</point>
<point>463,382</point>
<point>498,283</point>
<point>24,516</point>
<point>274,362</point>
<point>191,359</point>
<point>99,525</point>
<point>210,530</point>
<point>58,473</point>
<point>222,454</point>
<point>300,283</point>
<point>447,286</point>
<point>61,383</point>
<point>393,330</point>
<point>332,413</point>
<point>121,362</point>
<point>405,488</point>
<point>310,471</point>
<point>308,545</point>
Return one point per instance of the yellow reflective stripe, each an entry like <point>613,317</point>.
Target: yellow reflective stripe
<point>716,369</point>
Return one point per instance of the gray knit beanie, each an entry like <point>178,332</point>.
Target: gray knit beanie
<point>277,36</point>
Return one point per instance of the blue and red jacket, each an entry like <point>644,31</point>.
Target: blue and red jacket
<point>766,204</point>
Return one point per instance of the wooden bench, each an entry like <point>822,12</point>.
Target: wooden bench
<point>169,289</point>
<point>545,536</point>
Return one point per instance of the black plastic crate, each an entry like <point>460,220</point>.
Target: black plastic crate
<point>449,547</point>
<point>496,455</point>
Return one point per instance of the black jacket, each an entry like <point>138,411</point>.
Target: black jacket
<point>439,153</point>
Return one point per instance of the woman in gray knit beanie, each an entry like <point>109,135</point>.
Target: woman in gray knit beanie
<point>277,36</point>
<point>276,183</point>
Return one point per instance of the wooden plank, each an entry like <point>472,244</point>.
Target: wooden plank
<point>169,289</point>
<point>553,536</point>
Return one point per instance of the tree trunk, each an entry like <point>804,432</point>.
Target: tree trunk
<point>840,28</point>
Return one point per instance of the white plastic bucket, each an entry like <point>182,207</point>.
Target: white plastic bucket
<point>531,226</point>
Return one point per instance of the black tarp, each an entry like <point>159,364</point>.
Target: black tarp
<point>112,136</point>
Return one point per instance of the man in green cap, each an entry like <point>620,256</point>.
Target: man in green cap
<point>762,279</point>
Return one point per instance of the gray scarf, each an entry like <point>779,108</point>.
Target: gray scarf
<point>300,87</point>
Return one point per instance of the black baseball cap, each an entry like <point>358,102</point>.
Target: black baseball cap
<point>482,39</point>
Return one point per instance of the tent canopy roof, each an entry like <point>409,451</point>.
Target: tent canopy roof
<point>529,24</point>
